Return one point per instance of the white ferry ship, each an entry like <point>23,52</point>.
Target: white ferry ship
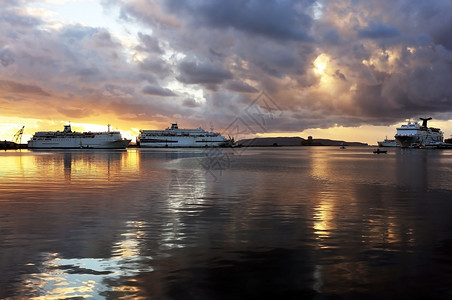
<point>68,139</point>
<point>175,137</point>
<point>416,135</point>
<point>387,143</point>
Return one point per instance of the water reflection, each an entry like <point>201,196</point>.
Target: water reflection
<point>289,222</point>
<point>60,277</point>
<point>323,219</point>
<point>412,168</point>
<point>93,197</point>
<point>186,191</point>
<point>367,220</point>
<point>85,166</point>
<point>82,278</point>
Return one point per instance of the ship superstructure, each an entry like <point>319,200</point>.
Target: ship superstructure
<point>68,139</point>
<point>175,137</point>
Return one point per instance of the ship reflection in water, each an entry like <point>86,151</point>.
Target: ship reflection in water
<point>301,222</point>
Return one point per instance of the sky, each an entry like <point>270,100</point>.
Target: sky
<point>350,70</point>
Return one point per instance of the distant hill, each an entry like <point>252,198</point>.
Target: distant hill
<point>276,141</point>
<point>293,141</point>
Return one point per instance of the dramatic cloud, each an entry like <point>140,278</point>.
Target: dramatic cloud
<point>157,90</point>
<point>325,63</point>
<point>378,31</point>
<point>278,20</point>
<point>208,74</point>
<point>19,88</point>
<point>241,87</point>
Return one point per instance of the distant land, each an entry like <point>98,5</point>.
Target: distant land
<point>294,141</point>
<point>11,145</point>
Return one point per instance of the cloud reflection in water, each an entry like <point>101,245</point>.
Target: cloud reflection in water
<point>91,277</point>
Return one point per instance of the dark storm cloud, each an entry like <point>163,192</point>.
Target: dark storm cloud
<point>276,60</point>
<point>431,18</point>
<point>155,66</point>
<point>158,91</point>
<point>345,62</point>
<point>273,19</point>
<point>419,85</point>
<point>149,44</point>
<point>384,60</point>
<point>241,87</point>
<point>192,72</point>
<point>378,31</point>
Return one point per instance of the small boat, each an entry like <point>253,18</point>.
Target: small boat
<point>378,151</point>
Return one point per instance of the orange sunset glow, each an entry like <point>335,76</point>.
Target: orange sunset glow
<point>339,71</point>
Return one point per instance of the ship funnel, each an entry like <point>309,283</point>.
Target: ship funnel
<point>67,128</point>
<point>424,121</point>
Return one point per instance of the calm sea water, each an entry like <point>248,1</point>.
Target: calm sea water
<point>245,223</point>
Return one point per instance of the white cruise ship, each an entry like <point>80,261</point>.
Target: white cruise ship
<point>175,137</point>
<point>416,135</point>
<point>68,139</point>
<point>387,143</point>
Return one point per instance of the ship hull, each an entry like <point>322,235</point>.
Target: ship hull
<point>406,141</point>
<point>421,138</point>
<point>78,143</point>
<point>181,142</point>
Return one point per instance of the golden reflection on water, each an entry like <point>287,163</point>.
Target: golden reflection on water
<point>186,192</point>
<point>129,291</point>
<point>335,213</point>
<point>324,199</point>
<point>16,164</point>
<point>319,166</point>
<point>68,166</point>
<point>323,219</point>
<point>129,245</point>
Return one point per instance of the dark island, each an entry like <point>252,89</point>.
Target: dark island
<point>7,145</point>
<point>294,141</point>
